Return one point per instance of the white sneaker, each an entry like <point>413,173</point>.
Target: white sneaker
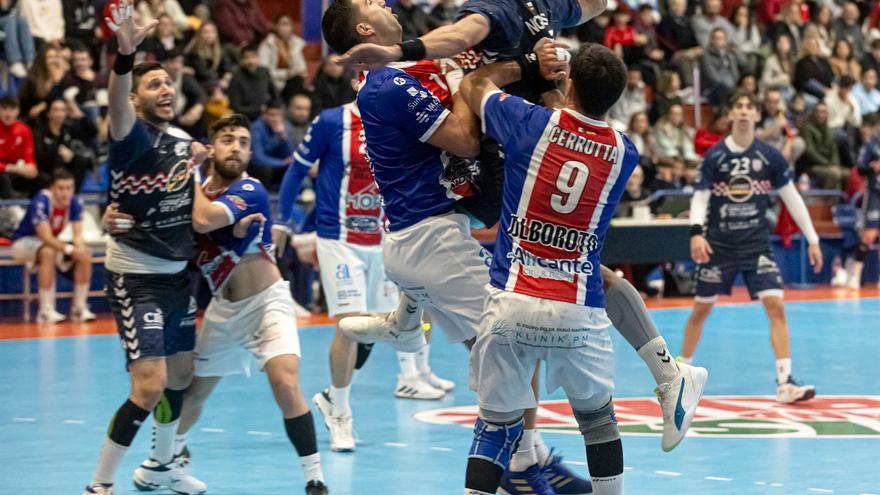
<point>854,283</point>
<point>371,329</point>
<point>151,475</point>
<point>325,407</point>
<point>99,489</point>
<point>437,382</point>
<point>82,315</point>
<point>341,433</point>
<point>840,278</point>
<point>679,399</point>
<point>50,316</point>
<point>792,391</point>
<point>415,387</point>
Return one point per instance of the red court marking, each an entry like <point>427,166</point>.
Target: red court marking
<point>14,329</point>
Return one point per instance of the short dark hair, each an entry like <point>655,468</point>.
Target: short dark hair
<point>875,45</point>
<point>232,120</point>
<point>8,101</point>
<point>846,81</point>
<point>171,54</point>
<point>338,26</point>
<point>62,174</point>
<point>140,70</point>
<point>599,77</point>
<point>250,48</point>
<point>740,94</point>
<point>273,104</point>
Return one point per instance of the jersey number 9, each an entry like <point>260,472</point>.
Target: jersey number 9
<point>570,183</point>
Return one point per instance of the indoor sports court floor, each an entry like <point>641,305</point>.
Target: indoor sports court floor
<point>59,385</point>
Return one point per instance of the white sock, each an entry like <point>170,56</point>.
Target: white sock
<point>659,360</point>
<point>163,441</point>
<point>524,457</point>
<point>339,399</point>
<point>687,360</point>
<point>783,370</point>
<point>422,360</point>
<point>108,461</point>
<point>612,485</point>
<point>80,295</point>
<point>179,444</point>
<point>407,361</point>
<point>47,300</point>
<point>408,314</point>
<point>311,466</point>
<point>542,452</point>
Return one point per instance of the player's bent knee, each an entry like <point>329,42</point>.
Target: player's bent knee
<point>598,426</point>
<point>495,441</point>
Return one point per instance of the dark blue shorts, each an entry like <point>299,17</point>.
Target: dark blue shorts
<point>716,277</point>
<point>872,210</point>
<point>155,314</point>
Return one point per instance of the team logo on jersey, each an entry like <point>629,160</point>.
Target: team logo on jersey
<point>757,164</point>
<point>248,187</point>
<point>849,416</point>
<point>179,176</point>
<point>181,148</point>
<point>399,81</point>
<point>552,235</point>
<point>739,189</point>
<point>238,201</point>
<point>459,176</point>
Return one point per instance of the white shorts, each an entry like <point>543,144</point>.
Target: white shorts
<point>235,334</point>
<point>354,278</point>
<point>25,250</point>
<point>519,330</point>
<point>438,263</point>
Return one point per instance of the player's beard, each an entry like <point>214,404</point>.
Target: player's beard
<point>229,169</point>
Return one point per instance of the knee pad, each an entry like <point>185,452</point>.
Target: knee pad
<point>599,426</point>
<point>495,442</point>
<point>169,406</point>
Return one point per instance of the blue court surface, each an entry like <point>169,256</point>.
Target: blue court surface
<point>58,395</point>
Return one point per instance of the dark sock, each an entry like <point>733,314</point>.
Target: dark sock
<point>482,475</point>
<point>363,352</point>
<point>605,459</point>
<point>301,432</point>
<point>126,423</point>
<point>862,252</point>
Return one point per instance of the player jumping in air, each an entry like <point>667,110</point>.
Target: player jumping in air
<point>565,169</point>
<point>730,234</point>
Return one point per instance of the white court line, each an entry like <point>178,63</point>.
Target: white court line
<point>628,468</point>
<point>576,463</point>
<point>74,422</point>
<point>867,494</point>
<point>24,420</point>
<point>821,490</point>
<point>441,449</point>
<point>395,444</point>
<point>717,478</point>
<point>214,430</point>
<point>777,485</point>
<point>259,433</point>
<point>667,473</point>
<point>760,483</point>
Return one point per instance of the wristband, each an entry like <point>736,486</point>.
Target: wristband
<point>696,230</point>
<point>412,50</point>
<point>123,64</point>
<point>530,70</point>
<point>68,249</point>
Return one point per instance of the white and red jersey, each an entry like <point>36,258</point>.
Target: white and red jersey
<point>564,176</point>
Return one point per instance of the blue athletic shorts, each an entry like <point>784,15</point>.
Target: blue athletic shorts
<point>761,274</point>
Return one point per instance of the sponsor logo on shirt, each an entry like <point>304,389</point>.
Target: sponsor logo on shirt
<point>554,269</point>
<point>552,235</point>
<point>238,201</point>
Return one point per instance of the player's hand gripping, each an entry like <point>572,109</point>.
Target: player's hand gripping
<point>128,34</point>
<point>241,228</point>
<point>701,251</point>
<point>553,57</point>
<point>815,255</point>
<point>116,222</point>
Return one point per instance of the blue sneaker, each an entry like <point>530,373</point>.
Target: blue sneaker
<point>529,482</point>
<point>562,479</point>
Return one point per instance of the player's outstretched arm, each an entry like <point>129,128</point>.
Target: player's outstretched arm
<point>487,79</point>
<point>801,216</point>
<point>128,36</point>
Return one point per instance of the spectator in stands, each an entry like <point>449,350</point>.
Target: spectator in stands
<point>676,37</point>
<point>789,22</point>
<point>748,83</point>
<point>871,60</point>
<point>670,175</point>
<point>190,97</point>
<point>43,82</point>
<point>271,136</point>
<point>647,54</point>
<point>668,93</point>
<point>299,115</point>
<point>46,20</point>
<point>843,62</point>
<point>821,160</point>
<point>673,138</point>
<point>207,57</point>
<point>241,22</point>
<point>776,129</point>
<point>151,10</point>
<point>719,126</point>
<point>844,118</point>
<point>820,27</point>
<point>251,86</point>
<point>639,132</point>
<point>866,93</point>
<point>282,54</point>
<point>746,39</point>
<point>718,68</point>
<point>632,100</point>
<point>635,194</point>
<point>164,39</point>
<point>592,31</point>
<point>81,24</point>
<point>443,14</point>
<point>779,68</point>
<point>61,143</point>
<point>36,242</point>
<point>412,18</point>
<point>620,35</point>
<point>18,169</point>
<point>848,27</point>
<point>80,85</point>
<point>704,25</point>
<point>812,72</point>
<point>333,85</point>
<point>18,43</point>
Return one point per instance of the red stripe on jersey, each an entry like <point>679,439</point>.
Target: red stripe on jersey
<point>561,195</point>
<point>430,74</point>
<point>362,205</point>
